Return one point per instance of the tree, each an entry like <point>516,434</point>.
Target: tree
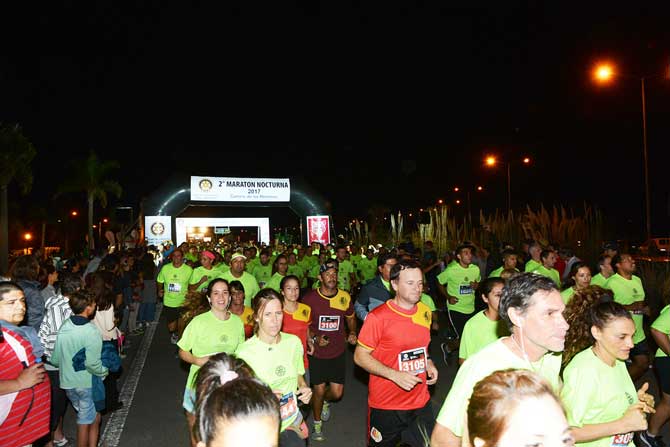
<point>16,154</point>
<point>92,177</point>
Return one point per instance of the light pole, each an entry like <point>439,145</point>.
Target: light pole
<point>491,161</point>
<point>603,74</point>
<point>477,188</point>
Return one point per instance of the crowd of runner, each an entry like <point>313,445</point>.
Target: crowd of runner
<point>541,336</point>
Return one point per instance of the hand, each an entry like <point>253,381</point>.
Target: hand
<point>322,341</point>
<point>202,360</point>
<point>304,394</point>
<point>453,300</point>
<point>161,292</point>
<point>474,284</point>
<point>634,419</point>
<point>431,372</point>
<point>405,380</point>
<point>646,398</point>
<point>204,279</point>
<point>31,376</point>
<point>435,325</point>
<point>310,347</point>
<point>352,338</point>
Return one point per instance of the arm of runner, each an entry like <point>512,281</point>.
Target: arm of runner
<point>662,340</point>
<point>351,324</point>
<point>633,420</point>
<point>443,437</point>
<point>161,291</point>
<point>646,398</point>
<point>192,359</point>
<point>304,392</point>
<point>432,373</point>
<point>28,378</point>
<point>363,358</point>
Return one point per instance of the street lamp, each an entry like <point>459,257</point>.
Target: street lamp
<point>603,73</point>
<point>492,160</point>
<point>477,188</point>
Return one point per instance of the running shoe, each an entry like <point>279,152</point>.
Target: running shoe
<point>650,441</point>
<point>317,434</point>
<point>60,442</point>
<point>325,411</point>
<point>174,339</point>
<point>444,346</point>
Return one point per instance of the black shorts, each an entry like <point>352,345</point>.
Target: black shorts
<point>58,399</point>
<point>662,365</point>
<point>389,427</point>
<point>327,370</point>
<point>172,313</point>
<point>641,348</point>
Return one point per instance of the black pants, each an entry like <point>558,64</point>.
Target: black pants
<point>389,427</point>
<point>458,320</point>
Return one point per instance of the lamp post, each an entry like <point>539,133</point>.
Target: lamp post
<point>491,161</point>
<point>604,73</point>
<point>477,188</point>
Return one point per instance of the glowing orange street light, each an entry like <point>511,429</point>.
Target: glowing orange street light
<point>603,72</point>
<point>105,220</point>
<point>440,201</point>
<point>27,236</point>
<point>458,202</point>
<point>490,160</point>
<point>480,188</point>
<point>526,160</point>
<point>74,213</point>
<point>456,189</point>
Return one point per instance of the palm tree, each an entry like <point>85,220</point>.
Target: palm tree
<point>92,177</point>
<point>16,154</point>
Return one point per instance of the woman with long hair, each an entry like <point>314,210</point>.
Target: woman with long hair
<point>578,279</point>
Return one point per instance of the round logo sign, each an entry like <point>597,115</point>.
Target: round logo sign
<point>157,229</point>
<point>205,185</point>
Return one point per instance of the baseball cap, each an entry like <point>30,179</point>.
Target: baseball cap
<point>209,254</point>
<point>237,255</point>
<point>330,264</point>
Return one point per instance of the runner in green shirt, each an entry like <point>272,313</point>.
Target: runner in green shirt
<point>294,268</point>
<point>203,275</point>
<point>579,278</point>
<point>237,273</point>
<point>628,291</point>
<point>279,269</point>
<point>532,307</point>
<point>602,405</point>
<point>604,271</point>
<point>484,327</point>
<point>461,278</point>
<point>367,266</point>
<point>534,249</point>
<point>510,259</point>
<point>660,330</point>
<point>172,284</point>
<point>277,359</point>
<point>547,269</point>
<point>346,278</point>
<point>207,334</point>
<point>263,270</point>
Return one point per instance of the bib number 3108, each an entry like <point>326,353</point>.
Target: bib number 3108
<point>412,361</point>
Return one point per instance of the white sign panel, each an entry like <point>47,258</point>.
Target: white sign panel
<point>157,229</point>
<point>262,223</point>
<point>236,189</point>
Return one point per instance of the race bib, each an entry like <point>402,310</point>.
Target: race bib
<point>329,322</point>
<point>412,361</point>
<point>174,287</point>
<point>288,406</point>
<point>622,440</point>
<point>465,290</point>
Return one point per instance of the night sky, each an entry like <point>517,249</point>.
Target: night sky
<point>390,106</point>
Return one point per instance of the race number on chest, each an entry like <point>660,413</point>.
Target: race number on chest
<point>412,360</point>
<point>329,322</point>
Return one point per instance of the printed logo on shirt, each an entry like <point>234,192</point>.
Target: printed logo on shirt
<point>223,339</point>
<point>329,322</point>
<point>280,371</point>
<point>412,360</point>
<point>622,440</point>
<point>630,398</point>
<point>375,435</point>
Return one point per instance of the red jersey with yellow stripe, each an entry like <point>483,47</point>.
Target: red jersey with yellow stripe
<point>247,318</point>
<point>399,339</point>
<point>329,316</point>
<point>296,323</point>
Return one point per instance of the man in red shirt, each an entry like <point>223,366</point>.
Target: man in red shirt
<point>331,309</point>
<point>393,348</point>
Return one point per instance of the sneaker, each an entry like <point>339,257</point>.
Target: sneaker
<point>317,434</point>
<point>60,442</point>
<point>646,440</point>
<point>174,339</point>
<point>325,411</point>
<point>444,346</point>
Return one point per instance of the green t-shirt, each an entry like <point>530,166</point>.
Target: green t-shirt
<point>628,291</point>
<point>191,257</point>
<point>425,299</point>
<point>662,324</point>
<point>314,272</point>
<point>222,267</point>
<point>343,275</point>
<point>262,273</point>
<point>494,357</point>
<point>458,281</point>
<point>551,273</point>
<point>478,332</point>
<point>175,283</point>
<point>595,393</point>
<point>248,282</point>
<point>355,259</point>
<point>201,271</point>
<point>298,271</point>
<point>207,335</point>
<point>567,294</point>
<point>531,265</point>
<point>599,280</point>
<point>274,282</point>
<point>367,268</point>
<point>278,366</point>
<point>251,264</point>
<point>497,272</point>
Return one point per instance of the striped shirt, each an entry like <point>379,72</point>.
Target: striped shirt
<point>57,310</point>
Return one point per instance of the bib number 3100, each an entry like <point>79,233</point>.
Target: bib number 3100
<point>412,361</point>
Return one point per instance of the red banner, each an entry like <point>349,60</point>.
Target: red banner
<point>318,229</point>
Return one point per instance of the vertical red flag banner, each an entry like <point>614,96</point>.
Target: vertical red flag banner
<point>318,229</point>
